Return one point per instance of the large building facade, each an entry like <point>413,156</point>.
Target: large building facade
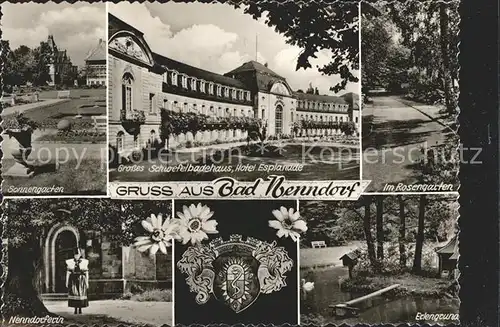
<point>141,82</point>
<point>95,65</point>
<point>113,269</point>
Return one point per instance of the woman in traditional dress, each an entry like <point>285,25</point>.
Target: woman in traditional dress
<point>77,282</point>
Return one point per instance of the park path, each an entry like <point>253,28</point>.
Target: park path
<point>397,129</point>
<point>28,106</point>
<point>151,313</point>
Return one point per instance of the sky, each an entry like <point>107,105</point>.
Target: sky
<point>77,27</point>
<point>217,37</point>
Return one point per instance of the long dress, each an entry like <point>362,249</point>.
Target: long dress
<point>77,283</point>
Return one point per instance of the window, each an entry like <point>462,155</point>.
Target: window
<point>263,113</point>
<point>243,113</point>
<point>152,103</point>
<point>211,88</point>
<point>341,119</point>
<point>336,118</point>
<point>165,104</point>
<point>219,90</point>
<point>227,112</point>
<point>202,86</point>
<point>356,120</point>
<point>234,112</point>
<point>211,110</point>
<point>120,141</point>
<point>165,77</point>
<point>185,108</point>
<point>174,78</point>
<point>193,84</point>
<point>226,92</point>
<point>127,83</point>
<point>195,108</point>
<point>184,81</point>
<point>219,112</point>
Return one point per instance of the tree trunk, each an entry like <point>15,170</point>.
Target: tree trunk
<point>445,54</point>
<point>20,294</point>
<point>402,233</point>
<point>417,261</point>
<point>380,227</point>
<point>368,234</point>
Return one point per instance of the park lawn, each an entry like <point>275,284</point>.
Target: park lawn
<point>88,179</point>
<point>97,320</point>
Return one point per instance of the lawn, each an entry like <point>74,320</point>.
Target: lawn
<point>88,179</point>
<point>319,163</point>
<point>74,137</point>
<point>75,93</point>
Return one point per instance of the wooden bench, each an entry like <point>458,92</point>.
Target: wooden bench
<point>63,94</point>
<point>100,123</point>
<point>318,244</point>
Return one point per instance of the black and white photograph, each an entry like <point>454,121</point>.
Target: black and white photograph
<point>384,259</point>
<point>410,96</point>
<point>87,262</point>
<point>54,99</point>
<point>237,262</point>
<point>204,90</point>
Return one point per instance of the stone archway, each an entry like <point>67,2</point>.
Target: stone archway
<point>60,242</point>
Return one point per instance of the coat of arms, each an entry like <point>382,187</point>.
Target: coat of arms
<point>235,271</point>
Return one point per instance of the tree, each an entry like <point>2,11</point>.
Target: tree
<point>417,260</point>
<point>27,222</point>
<point>367,227</point>
<point>380,226</point>
<point>402,233</point>
<point>314,26</point>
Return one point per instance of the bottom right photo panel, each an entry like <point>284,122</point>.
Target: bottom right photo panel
<point>381,259</point>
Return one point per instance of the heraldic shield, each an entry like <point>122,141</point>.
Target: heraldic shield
<point>236,282</point>
<point>235,272</point>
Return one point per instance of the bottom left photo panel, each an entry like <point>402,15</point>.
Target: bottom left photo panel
<point>87,261</point>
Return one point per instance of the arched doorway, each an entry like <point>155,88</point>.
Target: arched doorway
<point>65,244</point>
<point>278,120</point>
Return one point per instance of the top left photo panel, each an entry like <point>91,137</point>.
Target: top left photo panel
<point>54,116</point>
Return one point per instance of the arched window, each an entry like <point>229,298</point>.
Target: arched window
<point>120,141</point>
<point>278,120</point>
<point>127,92</point>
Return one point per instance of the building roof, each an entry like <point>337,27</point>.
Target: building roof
<point>450,248</point>
<point>351,255</point>
<point>197,72</point>
<point>254,66</point>
<point>319,97</point>
<point>97,53</point>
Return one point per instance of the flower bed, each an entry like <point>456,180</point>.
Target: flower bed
<point>74,136</point>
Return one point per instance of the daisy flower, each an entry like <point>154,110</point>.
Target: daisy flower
<point>288,223</point>
<point>161,233</point>
<point>194,223</point>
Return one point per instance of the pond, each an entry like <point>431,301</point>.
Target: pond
<point>376,310</point>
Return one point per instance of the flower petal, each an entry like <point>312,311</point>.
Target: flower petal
<point>145,247</point>
<point>210,227</point>
<point>281,233</point>
<point>154,221</point>
<point>168,222</point>
<point>295,216</point>
<point>206,214</point>
<point>300,225</point>
<point>154,249</point>
<point>147,226</point>
<point>278,215</point>
<point>198,237</point>
<point>284,212</point>
<point>163,248</point>
<point>294,235</point>
<point>276,224</point>
<point>184,235</point>
<point>193,210</point>
<point>159,220</point>
<point>138,243</point>
<point>290,213</point>
<point>187,213</point>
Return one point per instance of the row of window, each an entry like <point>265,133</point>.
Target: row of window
<point>200,85</point>
<point>326,106</point>
<point>320,118</point>
<point>207,110</point>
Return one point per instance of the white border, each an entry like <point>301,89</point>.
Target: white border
<point>360,104</point>
<point>107,101</point>
<point>172,254</point>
